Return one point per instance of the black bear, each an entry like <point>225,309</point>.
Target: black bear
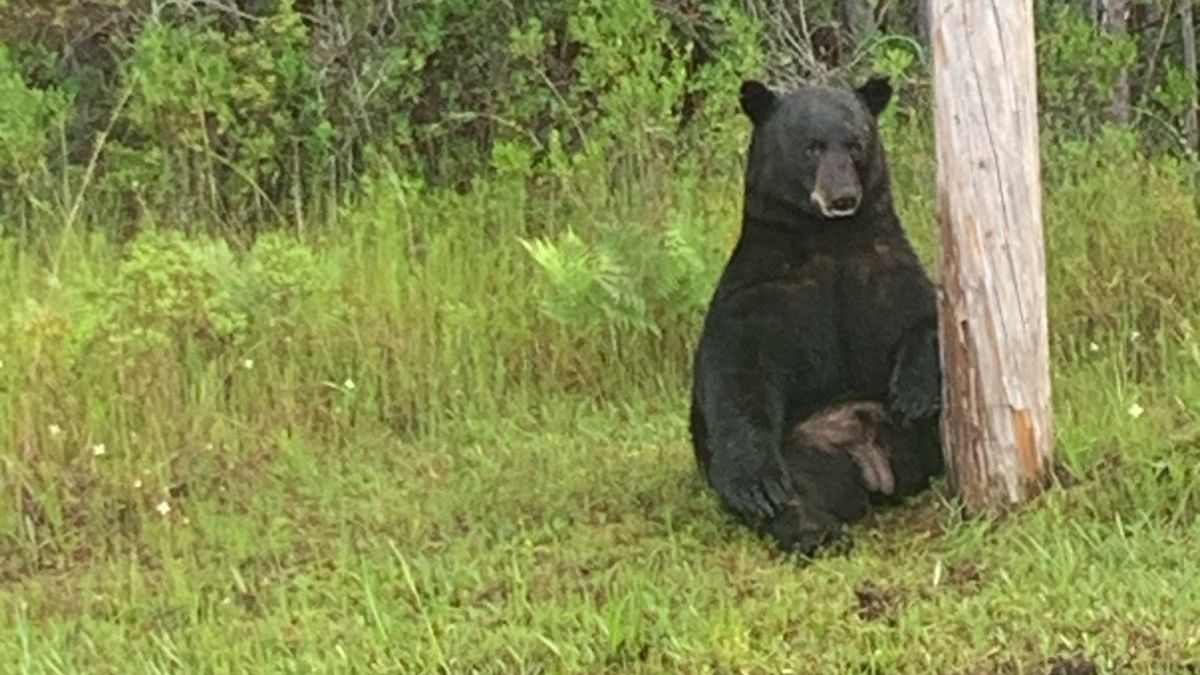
<point>817,379</point>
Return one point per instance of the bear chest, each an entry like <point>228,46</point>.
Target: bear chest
<point>877,299</point>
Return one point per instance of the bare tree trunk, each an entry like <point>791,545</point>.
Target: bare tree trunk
<point>1188,27</point>
<point>1116,20</point>
<point>1153,31</point>
<point>858,20</point>
<point>997,422</point>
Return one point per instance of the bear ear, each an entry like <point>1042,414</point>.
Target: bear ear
<point>876,92</point>
<point>757,101</point>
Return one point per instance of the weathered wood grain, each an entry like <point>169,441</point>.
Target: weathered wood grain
<point>997,423</point>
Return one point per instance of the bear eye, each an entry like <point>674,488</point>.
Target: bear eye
<point>814,148</point>
<point>854,147</point>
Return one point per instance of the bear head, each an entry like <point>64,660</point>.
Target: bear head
<point>815,153</point>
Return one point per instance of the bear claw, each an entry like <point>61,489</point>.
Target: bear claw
<point>755,495</point>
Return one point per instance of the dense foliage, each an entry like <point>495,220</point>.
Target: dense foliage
<point>305,301</point>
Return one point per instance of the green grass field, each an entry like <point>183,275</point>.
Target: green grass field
<point>367,449</point>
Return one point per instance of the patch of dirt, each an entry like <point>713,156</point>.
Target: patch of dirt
<point>1110,464</point>
<point>919,518</point>
<point>964,574</point>
<point>877,603</point>
<point>1145,641</point>
<point>1073,665</point>
<point>1064,476</point>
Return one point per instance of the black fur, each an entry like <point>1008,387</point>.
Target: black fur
<point>816,306</point>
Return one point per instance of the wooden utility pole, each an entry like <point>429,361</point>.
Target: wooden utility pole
<point>997,422</point>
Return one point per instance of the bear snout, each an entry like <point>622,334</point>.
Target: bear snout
<point>846,204</point>
<point>837,193</point>
<point>839,206</point>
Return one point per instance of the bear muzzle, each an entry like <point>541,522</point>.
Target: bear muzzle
<point>838,193</point>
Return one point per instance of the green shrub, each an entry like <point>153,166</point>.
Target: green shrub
<point>31,120</point>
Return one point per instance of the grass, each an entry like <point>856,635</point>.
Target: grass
<point>404,466</point>
<point>587,543</point>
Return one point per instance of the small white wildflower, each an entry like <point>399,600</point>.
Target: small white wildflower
<point>349,384</point>
<point>187,521</point>
<point>1135,411</point>
<point>1135,335</point>
<point>98,449</point>
<point>1094,347</point>
<point>137,484</point>
<point>248,364</point>
<point>54,429</point>
<point>163,508</point>
<point>208,446</point>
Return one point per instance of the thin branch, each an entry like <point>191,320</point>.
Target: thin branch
<point>97,148</point>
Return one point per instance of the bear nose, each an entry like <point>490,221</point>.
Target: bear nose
<point>845,204</point>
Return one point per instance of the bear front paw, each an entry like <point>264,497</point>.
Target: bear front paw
<point>915,393</point>
<point>758,495</point>
<point>915,389</point>
<point>914,402</point>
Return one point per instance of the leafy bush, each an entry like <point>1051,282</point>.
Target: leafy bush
<point>29,121</point>
<point>645,280</point>
<point>235,116</point>
<point>167,292</point>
